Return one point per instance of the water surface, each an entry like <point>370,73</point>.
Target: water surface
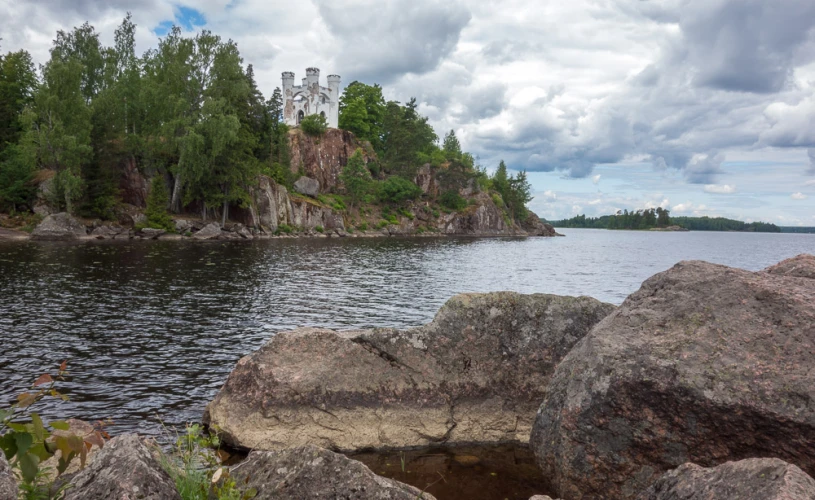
<point>151,329</point>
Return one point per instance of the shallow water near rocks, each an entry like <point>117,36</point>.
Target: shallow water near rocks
<point>459,473</point>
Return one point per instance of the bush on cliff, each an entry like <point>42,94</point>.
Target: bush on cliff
<point>398,189</point>
<point>314,125</point>
<point>452,200</point>
<point>356,178</point>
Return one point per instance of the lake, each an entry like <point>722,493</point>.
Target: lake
<point>152,329</point>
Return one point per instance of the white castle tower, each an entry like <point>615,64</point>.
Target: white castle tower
<point>310,98</point>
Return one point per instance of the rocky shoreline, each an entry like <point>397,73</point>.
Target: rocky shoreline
<point>699,386</point>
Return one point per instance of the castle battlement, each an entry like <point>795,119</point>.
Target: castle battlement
<point>309,98</point>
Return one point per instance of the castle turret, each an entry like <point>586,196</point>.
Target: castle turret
<point>313,76</point>
<point>334,87</point>
<point>288,81</point>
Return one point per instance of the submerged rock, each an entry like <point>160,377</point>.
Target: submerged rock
<point>8,483</point>
<point>755,478</point>
<point>703,364</point>
<point>311,472</point>
<point>59,227</point>
<point>476,374</point>
<point>124,469</point>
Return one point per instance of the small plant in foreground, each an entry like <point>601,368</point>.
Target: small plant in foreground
<point>27,444</point>
<point>194,466</point>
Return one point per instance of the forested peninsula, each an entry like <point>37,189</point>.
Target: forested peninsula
<point>660,219</point>
<point>180,141</point>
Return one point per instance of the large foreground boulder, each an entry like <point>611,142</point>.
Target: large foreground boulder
<point>59,227</point>
<point>476,374</point>
<point>311,472</point>
<point>124,469</point>
<point>703,364</point>
<point>8,483</point>
<point>754,478</point>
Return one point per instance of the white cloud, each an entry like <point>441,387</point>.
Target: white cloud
<point>689,208</point>
<point>720,188</point>
<point>799,196</point>
<point>595,179</point>
<point>810,183</point>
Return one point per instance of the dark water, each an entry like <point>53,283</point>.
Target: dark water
<point>151,329</point>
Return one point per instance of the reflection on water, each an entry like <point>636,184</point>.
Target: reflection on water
<point>151,329</point>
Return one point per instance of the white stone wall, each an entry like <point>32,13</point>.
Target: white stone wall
<point>309,98</point>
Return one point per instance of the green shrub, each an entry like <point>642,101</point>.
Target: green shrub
<point>382,224</point>
<point>397,190</point>
<point>435,213</point>
<point>362,226</point>
<point>404,212</point>
<point>319,229</point>
<point>314,125</point>
<point>452,200</point>
<point>284,229</point>
<point>349,229</point>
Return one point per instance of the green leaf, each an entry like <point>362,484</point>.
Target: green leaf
<point>60,425</point>
<point>9,445</point>
<point>40,451</point>
<point>64,461</point>
<point>24,441</point>
<point>39,430</point>
<point>4,414</point>
<point>29,464</point>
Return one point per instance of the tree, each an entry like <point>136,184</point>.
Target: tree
<point>18,81</point>
<point>408,141</point>
<point>397,190</point>
<point>520,195</point>
<point>17,169</point>
<point>356,178</point>
<point>500,180</point>
<point>451,146</point>
<point>355,118</point>
<point>157,201</point>
<point>371,96</point>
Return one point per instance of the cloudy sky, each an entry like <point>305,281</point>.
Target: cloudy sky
<point>706,107</point>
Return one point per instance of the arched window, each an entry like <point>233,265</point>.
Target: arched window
<point>322,113</point>
<point>300,116</point>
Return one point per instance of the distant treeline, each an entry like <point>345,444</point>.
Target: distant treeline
<point>658,217</point>
<point>637,219</point>
<point>796,229</point>
<point>722,224</point>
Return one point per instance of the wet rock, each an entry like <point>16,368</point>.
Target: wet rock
<point>535,227</point>
<point>150,233</point>
<point>311,472</point>
<point>476,374</point>
<point>209,232</point>
<point>307,186</point>
<point>59,227</point>
<point>123,469</point>
<point>703,364</point>
<point>755,478</point>
<point>8,483</point>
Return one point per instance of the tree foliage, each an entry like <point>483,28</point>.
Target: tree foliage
<point>157,201</point>
<point>356,178</point>
<point>314,125</point>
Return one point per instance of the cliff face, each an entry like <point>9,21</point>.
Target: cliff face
<point>323,158</point>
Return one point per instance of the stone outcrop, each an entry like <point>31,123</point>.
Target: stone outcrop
<point>482,219</point>
<point>311,472</point>
<point>535,227</point>
<point>476,373</point>
<point>307,186</point>
<point>323,158</point>
<point>427,181</point>
<point>802,266</point>
<point>59,227</point>
<point>755,478</point>
<point>123,469</point>
<point>209,232</point>
<point>703,364</point>
<point>8,483</point>
<point>133,185</point>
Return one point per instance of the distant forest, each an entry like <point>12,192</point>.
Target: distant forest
<point>660,218</point>
<point>797,229</point>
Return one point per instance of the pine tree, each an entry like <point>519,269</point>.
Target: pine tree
<point>157,201</point>
<point>356,178</point>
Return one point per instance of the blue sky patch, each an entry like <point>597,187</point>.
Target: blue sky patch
<point>185,17</point>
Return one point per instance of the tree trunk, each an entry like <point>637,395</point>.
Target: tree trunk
<point>204,212</point>
<point>226,209</point>
<point>175,203</point>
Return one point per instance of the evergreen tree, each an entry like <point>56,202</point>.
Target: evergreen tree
<point>451,146</point>
<point>157,201</point>
<point>356,178</point>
